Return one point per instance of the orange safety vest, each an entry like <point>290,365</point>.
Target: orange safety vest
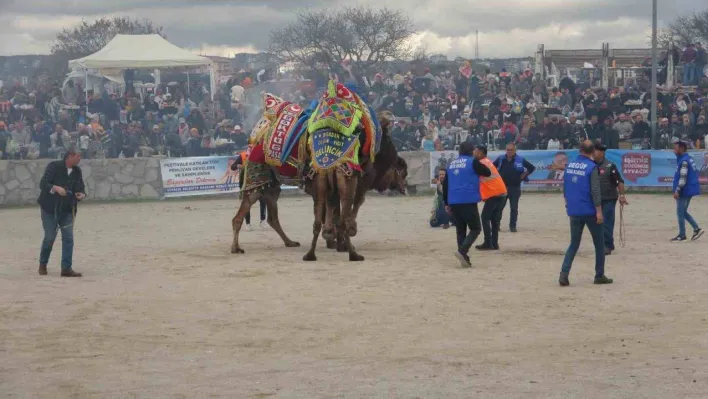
<point>492,186</point>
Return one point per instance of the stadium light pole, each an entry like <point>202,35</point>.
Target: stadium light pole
<point>654,116</point>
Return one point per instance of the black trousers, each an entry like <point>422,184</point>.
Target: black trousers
<point>466,218</point>
<point>513,195</point>
<point>491,219</point>
<point>262,204</point>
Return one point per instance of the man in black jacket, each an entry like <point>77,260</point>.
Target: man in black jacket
<point>61,188</point>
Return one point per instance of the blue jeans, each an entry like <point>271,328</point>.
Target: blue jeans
<point>683,216</point>
<point>577,224</point>
<point>51,224</point>
<point>608,213</point>
<point>689,73</point>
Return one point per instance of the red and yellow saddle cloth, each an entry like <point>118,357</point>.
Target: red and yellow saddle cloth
<point>332,126</point>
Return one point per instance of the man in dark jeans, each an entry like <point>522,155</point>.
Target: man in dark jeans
<point>583,203</point>
<point>61,187</point>
<point>493,191</point>
<point>610,182</point>
<point>513,169</point>
<point>461,194</point>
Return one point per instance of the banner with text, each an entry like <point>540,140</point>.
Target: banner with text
<point>183,177</point>
<point>638,168</point>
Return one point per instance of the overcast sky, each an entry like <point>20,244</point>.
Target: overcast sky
<point>508,28</point>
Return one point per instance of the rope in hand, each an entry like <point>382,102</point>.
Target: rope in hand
<point>623,229</point>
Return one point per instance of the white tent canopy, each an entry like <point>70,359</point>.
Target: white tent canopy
<point>139,51</point>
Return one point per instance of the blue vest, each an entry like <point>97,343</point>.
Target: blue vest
<point>518,163</point>
<point>692,187</point>
<point>462,182</point>
<point>576,187</point>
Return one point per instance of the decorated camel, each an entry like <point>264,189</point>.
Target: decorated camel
<point>320,148</point>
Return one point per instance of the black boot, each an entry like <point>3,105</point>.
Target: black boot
<point>563,280</point>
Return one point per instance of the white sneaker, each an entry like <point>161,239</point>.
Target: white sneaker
<point>264,225</point>
<point>248,227</point>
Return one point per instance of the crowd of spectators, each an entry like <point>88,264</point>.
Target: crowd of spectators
<point>438,112</point>
<point>173,120</point>
<point>433,112</point>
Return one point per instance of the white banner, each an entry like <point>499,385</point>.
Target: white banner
<point>182,177</point>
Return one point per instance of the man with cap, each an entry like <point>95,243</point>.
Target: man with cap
<point>513,169</point>
<point>583,203</point>
<point>461,194</point>
<point>686,186</point>
<point>610,182</point>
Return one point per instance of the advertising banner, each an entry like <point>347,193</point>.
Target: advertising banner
<point>638,168</point>
<point>183,177</point>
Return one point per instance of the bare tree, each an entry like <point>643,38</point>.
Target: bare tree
<point>88,37</point>
<point>685,29</point>
<point>367,37</point>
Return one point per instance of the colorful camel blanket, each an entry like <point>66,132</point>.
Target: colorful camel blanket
<point>330,149</point>
<point>281,131</point>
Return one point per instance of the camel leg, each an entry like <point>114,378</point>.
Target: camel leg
<point>365,182</point>
<point>329,230</point>
<point>271,200</point>
<point>347,190</point>
<point>340,243</point>
<point>319,190</point>
<point>333,214</point>
<point>237,222</point>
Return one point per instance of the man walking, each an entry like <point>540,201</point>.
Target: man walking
<point>493,193</point>
<point>461,193</point>
<point>513,169</point>
<point>686,186</point>
<point>61,187</point>
<point>610,182</point>
<point>583,203</point>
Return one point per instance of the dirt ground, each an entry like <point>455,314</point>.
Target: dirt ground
<point>165,311</point>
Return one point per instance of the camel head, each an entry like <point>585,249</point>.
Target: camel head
<point>395,178</point>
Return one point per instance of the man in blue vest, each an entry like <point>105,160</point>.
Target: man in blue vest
<point>583,203</point>
<point>686,186</point>
<point>461,195</point>
<point>513,169</point>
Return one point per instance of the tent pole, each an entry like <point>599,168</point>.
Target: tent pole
<point>86,82</point>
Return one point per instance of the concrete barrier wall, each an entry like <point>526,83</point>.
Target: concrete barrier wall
<point>105,179</point>
<point>139,178</point>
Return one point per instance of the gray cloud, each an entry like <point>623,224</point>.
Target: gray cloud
<point>30,25</point>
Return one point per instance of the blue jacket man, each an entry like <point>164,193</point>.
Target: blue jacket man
<point>461,194</point>
<point>513,169</point>
<point>686,186</point>
<point>583,202</point>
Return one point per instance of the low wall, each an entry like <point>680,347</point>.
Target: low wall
<point>105,179</point>
<point>139,178</point>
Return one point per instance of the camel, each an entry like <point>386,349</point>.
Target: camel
<point>387,172</point>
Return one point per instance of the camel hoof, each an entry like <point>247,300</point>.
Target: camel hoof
<point>328,233</point>
<point>309,257</point>
<point>331,244</point>
<point>292,244</point>
<point>237,251</point>
<point>356,258</point>
<point>352,230</point>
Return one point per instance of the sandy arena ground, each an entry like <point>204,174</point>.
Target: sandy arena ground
<point>165,311</point>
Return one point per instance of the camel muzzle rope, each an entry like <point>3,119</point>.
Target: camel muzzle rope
<point>623,229</point>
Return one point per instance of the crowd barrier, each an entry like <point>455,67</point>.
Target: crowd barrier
<point>640,169</point>
<point>154,178</point>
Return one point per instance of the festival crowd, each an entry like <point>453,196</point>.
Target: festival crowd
<point>433,112</point>
<point>440,111</point>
